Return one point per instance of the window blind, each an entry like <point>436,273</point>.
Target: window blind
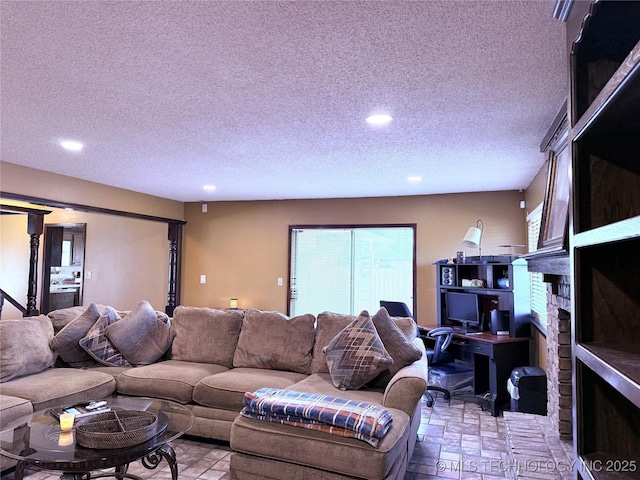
<point>538,287</point>
<point>347,270</point>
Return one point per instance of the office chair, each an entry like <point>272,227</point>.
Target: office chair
<point>435,356</point>
<point>438,356</point>
<point>396,309</point>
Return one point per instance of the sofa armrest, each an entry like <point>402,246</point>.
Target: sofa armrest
<point>407,387</point>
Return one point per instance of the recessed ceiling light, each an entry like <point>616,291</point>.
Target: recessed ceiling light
<point>414,178</point>
<point>379,119</point>
<point>209,188</point>
<point>71,145</point>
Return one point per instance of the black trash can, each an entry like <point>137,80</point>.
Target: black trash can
<point>528,389</point>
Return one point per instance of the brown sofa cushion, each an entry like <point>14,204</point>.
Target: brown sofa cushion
<point>328,325</point>
<point>273,341</point>
<point>60,386</point>
<point>396,344</point>
<point>205,335</point>
<point>11,409</point>
<point>356,355</point>
<point>226,390</point>
<point>141,336</point>
<point>66,342</point>
<point>171,379</point>
<point>97,344</point>
<point>24,346</point>
<point>295,448</point>
<point>321,384</point>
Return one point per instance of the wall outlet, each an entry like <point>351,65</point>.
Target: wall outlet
<point>280,282</point>
<point>203,279</point>
<point>204,208</point>
<point>87,274</point>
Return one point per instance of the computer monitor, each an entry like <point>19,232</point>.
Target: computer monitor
<point>463,309</point>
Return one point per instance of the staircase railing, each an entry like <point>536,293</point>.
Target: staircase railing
<point>35,228</point>
<point>4,295</point>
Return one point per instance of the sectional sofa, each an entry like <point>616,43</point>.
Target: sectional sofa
<point>208,359</point>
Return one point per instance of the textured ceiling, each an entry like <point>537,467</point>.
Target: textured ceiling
<point>268,99</point>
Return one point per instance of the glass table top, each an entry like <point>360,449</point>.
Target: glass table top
<point>37,438</point>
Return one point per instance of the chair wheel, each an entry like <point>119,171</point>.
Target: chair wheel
<point>429,400</point>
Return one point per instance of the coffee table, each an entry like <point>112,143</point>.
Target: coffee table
<point>36,439</point>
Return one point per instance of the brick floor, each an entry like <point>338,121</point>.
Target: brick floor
<point>457,439</point>
<point>535,450</point>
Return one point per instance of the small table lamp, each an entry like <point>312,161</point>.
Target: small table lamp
<point>473,238</point>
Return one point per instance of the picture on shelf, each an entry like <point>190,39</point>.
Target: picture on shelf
<point>555,209</point>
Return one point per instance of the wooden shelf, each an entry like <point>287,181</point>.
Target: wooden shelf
<point>607,146</point>
<point>609,32</point>
<point>619,365</point>
<point>614,232</point>
<point>621,89</point>
<point>506,281</point>
<point>602,466</point>
<point>611,423</point>
<point>605,237</point>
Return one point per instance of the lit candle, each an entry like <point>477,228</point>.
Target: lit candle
<point>66,421</point>
<point>65,438</point>
<point>233,303</point>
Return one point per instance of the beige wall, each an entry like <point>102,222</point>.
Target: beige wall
<point>38,183</point>
<point>14,261</point>
<point>242,247</point>
<point>534,194</point>
<point>128,258</point>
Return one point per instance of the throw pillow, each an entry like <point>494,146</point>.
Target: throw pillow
<point>397,345</point>
<point>141,337</point>
<point>356,355</point>
<point>60,318</point>
<point>161,315</point>
<point>274,341</point>
<point>24,346</point>
<point>97,344</point>
<point>328,325</point>
<point>66,342</point>
<point>407,325</point>
<point>205,335</point>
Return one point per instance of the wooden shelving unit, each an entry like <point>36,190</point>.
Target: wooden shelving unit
<point>505,287</point>
<point>605,239</point>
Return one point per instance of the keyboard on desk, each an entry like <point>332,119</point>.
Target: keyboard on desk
<point>463,342</point>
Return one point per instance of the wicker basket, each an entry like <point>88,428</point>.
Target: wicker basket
<point>116,429</point>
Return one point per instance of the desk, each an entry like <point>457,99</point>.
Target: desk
<point>493,358</point>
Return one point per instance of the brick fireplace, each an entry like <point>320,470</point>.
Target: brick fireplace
<point>559,353</point>
<point>556,272</point>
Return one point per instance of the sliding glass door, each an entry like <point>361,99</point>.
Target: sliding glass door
<point>350,269</point>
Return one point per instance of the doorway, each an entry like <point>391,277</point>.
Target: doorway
<point>63,266</point>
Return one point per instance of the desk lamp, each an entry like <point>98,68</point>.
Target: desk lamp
<point>473,238</point>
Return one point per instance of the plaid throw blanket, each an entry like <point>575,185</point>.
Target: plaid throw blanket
<point>339,416</point>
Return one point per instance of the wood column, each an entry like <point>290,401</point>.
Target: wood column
<point>175,263</point>
<point>35,227</point>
